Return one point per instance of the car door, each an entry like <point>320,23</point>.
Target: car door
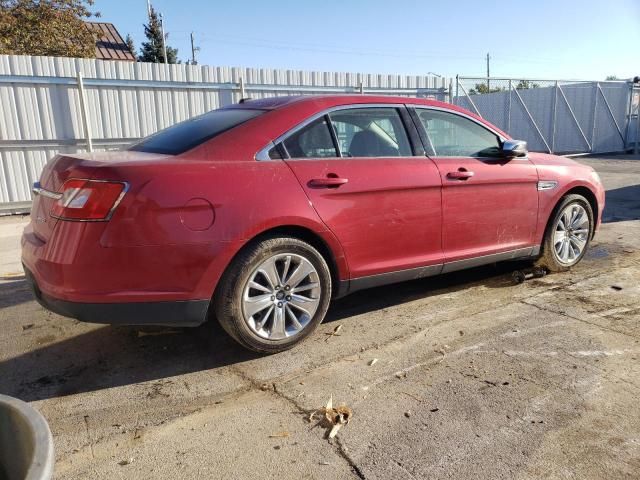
<point>489,204</point>
<point>381,201</point>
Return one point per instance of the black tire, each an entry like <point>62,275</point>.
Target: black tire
<point>228,299</point>
<point>549,259</point>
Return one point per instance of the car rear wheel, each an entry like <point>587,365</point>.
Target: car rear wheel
<point>568,234</point>
<point>274,294</point>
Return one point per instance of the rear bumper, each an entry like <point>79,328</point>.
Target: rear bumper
<point>181,313</point>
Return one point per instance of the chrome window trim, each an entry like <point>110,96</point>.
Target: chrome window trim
<point>327,111</point>
<point>263,154</point>
<point>468,117</point>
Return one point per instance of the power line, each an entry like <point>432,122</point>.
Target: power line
<point>334,49</point>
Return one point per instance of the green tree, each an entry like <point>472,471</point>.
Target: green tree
<point>612,77</point>
<point>131,45</point>
<point>526,85</point>
<point>151,51</point>
<point>481,88</point>
<point>47,27</point>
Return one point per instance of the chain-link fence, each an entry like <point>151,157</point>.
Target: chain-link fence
<point>553,115</point>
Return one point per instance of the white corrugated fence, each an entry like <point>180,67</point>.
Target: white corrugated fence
<point>41,108</point>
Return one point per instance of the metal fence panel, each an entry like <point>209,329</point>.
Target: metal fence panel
<point>41,105</point>
<point>553,115</point>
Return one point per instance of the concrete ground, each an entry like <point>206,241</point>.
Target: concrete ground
<point>461,376</point>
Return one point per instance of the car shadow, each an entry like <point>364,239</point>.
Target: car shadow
<point>622,204</point>
<point>14,293</point>
<point>107,356</point>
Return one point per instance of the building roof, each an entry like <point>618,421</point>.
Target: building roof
<point>109,43</point>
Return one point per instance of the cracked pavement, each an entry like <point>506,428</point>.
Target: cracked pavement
<point>475,377</point>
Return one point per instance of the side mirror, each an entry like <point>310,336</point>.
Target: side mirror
<point>514,148</point>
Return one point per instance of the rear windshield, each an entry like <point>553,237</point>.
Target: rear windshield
<point>186,135</point>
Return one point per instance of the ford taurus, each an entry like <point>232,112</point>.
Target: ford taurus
<point>259,213</point>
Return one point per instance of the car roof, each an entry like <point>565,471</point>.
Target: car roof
<point>274,103</point>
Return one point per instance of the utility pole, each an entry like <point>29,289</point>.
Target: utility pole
<point>164,44</point>
<point>488,74</point>
<point>194,49</point>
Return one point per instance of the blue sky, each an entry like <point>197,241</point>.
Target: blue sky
<point>564,39</point>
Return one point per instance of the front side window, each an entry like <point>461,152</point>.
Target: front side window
<point>312,141</point>
<point>456,136</point>
<point>186,135</point>
<point>371,132</point>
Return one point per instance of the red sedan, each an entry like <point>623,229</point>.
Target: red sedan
<point>260,213</point>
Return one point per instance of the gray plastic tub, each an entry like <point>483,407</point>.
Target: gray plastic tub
<point>26,445</point>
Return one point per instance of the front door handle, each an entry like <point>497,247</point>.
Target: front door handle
<point>329,182</point>
<point>461,174</point>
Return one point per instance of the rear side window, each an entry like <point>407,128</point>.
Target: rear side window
<point>311,141</point>
<point>186,135</point>
<point>371,132</point>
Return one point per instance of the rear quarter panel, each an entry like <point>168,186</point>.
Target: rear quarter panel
<point>206,211</point>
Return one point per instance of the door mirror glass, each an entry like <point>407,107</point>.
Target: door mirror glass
<point>514,148</point>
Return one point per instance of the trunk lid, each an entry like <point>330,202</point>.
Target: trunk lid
<point>63,167</point>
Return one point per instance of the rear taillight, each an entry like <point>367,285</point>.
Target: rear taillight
<point>88,200</point>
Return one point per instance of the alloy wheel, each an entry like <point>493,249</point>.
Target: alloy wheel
<point>281,296</point>
<point>571,234</point>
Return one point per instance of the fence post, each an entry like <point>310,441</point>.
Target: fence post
<point>628,126</point>
<point>595,111</point>
<point>457,83</point>
<point>242,89</point>
<point>509,109</point>
<point>84,113</point>
<point>636,150</point>
<point>553,120</point>
<point>361,88</point>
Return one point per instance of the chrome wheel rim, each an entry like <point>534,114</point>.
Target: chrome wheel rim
<point>571,234</point>
<point>281,296</point>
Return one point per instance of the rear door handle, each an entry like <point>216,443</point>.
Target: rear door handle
<point>329,182</point>
<point>461,174</point>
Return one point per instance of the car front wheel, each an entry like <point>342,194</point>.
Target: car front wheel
<point>274,294</point>
<point>568,234</point>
